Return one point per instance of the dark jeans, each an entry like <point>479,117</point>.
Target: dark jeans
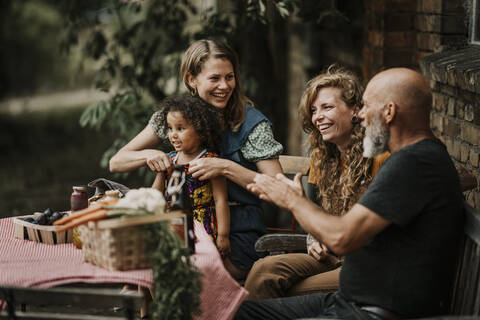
<point>246,226</point>
<point>321,305</point>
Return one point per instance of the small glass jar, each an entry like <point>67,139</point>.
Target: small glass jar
<point>78,201</point>
<point>79,198</point>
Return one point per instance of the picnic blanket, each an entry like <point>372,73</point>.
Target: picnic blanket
<point>31,264</point>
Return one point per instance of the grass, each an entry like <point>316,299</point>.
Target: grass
<point>43,154</point>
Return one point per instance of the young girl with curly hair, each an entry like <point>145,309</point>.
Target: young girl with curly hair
<point>193,130</point>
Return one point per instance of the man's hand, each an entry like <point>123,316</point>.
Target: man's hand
<point>279,190</point>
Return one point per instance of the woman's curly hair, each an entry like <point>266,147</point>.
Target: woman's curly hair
<point>200,114</point>
<point>340,177</point>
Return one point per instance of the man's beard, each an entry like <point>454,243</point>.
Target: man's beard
<point>376,137</point>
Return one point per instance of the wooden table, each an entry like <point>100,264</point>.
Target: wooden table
<point>31,264</point>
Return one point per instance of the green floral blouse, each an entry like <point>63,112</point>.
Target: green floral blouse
<point>260,144</point>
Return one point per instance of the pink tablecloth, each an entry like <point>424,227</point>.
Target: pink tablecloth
<point>27,263</point>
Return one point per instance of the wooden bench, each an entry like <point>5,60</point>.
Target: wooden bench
<point>290,166</point>
<point>466,292</point>
<point>57,303</point>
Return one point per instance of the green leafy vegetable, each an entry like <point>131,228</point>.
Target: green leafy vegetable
<point>176,280</point>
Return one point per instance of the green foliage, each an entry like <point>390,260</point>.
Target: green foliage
<point>177,282</point>
<point>137,46</point>
<point>29,47</point>
<point>44,154</point>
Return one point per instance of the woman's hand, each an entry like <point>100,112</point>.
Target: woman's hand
<point>138,152</point>
<point>223,245</point>
<point>206,168</point>
<point>317,250</point>
<point>158,161</point>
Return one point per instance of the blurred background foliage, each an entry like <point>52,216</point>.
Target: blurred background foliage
<point>131,51</point>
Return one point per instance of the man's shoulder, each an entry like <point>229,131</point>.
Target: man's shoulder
<point>424,147</point>
<point>422,152</point>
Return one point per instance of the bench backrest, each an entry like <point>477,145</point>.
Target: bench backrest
<point>56,299</point>
<point>293,164</point>
<point>466,292</point>
<point>290,166</point>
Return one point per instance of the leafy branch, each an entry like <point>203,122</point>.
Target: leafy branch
<point>177,282</point>
<point>137,47</point>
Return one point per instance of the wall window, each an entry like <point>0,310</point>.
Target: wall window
<point>475,25</point>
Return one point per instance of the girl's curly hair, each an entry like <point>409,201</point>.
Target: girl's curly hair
<point>340,178</point>
<point>200,114</point>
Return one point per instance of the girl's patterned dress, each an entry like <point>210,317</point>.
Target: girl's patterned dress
<point>201,196</point>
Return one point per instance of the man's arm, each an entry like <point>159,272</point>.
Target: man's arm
<point>342,234</point>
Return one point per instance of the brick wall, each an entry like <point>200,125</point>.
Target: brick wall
<point>400,32</point>
<point>432,35</point>
<point>390,35</point>
<point>455,118</point>
<point>439,24</point>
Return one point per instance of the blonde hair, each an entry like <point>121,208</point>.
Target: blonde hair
<point>340,177</point>
<point>192,62</point>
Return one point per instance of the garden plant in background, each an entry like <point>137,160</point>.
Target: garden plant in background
<point>132,48</point>
<point>138,46</point>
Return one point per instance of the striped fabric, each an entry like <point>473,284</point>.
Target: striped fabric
<point>31,264</point>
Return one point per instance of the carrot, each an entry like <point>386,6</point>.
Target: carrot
<point>86,211</point>
<point>97,215</point>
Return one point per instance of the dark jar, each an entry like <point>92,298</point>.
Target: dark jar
<point>79,198</point>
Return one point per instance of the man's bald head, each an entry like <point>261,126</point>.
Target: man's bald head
<point>396,110</point>
<point>405,87</point>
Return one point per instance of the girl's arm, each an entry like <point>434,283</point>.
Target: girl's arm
<point>159,182</point>
<point>140,152</point>
<point>219,190</point>
<point>207,168</point>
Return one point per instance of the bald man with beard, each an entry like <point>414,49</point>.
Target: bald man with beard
<point>400,240</point>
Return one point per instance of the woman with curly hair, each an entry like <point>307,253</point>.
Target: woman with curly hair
<point>338,175</point>
<point>191,125</point>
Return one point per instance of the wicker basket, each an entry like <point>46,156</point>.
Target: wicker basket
<point>119,244</point>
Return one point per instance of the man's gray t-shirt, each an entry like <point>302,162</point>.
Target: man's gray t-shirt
<point>408,267</point>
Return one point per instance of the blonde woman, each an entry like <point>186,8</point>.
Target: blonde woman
<point>339,174</point>
<point>210,70</point>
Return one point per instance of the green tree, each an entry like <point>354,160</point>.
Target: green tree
<point>29,48</point>
<point>138,47</point>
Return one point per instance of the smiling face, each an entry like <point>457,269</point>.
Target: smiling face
<point>332,117</point>
<point>215,83</point>
<point>182,134</point>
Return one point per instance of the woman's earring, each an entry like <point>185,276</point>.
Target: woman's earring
<point>355,119</point>
<point>193,91</point>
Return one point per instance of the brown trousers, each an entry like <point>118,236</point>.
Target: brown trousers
<point>291,274</point>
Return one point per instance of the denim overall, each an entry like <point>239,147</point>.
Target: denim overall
<point>246,223</point>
